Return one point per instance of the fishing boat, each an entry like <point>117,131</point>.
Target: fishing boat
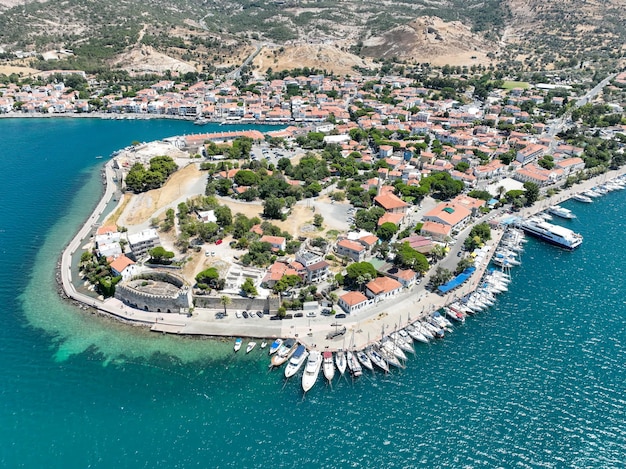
<point>275,346</point>
<point>364,360</point>
<point>561,211</point>
<point>328,365</point>
<point>296,361</point>
<point>284,352</point>
<point>340,361</point>
<point>312,370</point>
<point>250,346</point>
<point>353,364</point>
<point>263,345</point>
<point>238,343</point>
<point>377,359</point>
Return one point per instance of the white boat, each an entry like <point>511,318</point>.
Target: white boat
<point>328,365</point>
<point>250,346</point>
<point>391,347</point>
<point>238,343</point>
<point>365,360</point>
<point>263,345</point>
<point>389,357</point>
<point>377,359</point>
<point>561,211</point>
<point>312,370</point>
<point>340,361</point>
<point>456,315</point>
<point>416,335</point>
<point>353,364</point>
<point>296,361</point>
<point>402,342</point>
<point>419,328</point>
<point>442,321</point>
<point>275,346</point>
<point>592,194</point>
<point>582,198</point>
<point>553,234</point>
<point>284,352</point>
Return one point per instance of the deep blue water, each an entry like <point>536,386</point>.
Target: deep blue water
<point>537,381</point>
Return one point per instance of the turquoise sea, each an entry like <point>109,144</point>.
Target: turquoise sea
<point>537,381</point>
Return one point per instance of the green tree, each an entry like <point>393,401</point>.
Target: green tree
<point>158,255</point>
<point>409,258</point>
<point>532,193</point>
<point>225,300</point>
<point>318,220</point>
<point>273,208</point>
<point>360,269</point>
<point>249,289</point>
<point>386,231</point>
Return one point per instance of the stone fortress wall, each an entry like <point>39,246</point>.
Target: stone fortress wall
<point>177,301</point>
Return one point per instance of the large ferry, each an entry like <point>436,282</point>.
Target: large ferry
<point>553,234</point>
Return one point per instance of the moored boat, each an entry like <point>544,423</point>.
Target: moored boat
<point>353,364</point>
<point>340,361</point>
<point>328,365</point>
<point>296,361</point>
<point>312,370</point>
<point>561,211</point>
<point>582,198</point>
<point>263,345</point>
<point>284,352</point>
<point>364,360</point>
<point>275,346</point>
<point>553,234</point>
<point>377,359</point>
<point>250,347</point>
<point>237,345</point>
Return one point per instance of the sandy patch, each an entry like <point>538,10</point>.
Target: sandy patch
<point>22,71</point>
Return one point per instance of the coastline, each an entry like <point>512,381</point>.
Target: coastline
<point>365,328</point>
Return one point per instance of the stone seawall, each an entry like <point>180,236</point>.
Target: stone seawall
<point>239,304</point>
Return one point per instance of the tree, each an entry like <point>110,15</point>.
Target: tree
<point>318,220</point>
<point>532,193</point>
<point>248,288</point>
<point>273,208</point>
<point>245,177</point>
<point>225,300</point>
<point>440,276</point>
<point>386,231</point>
<point>209,278</point>
<point>362,270</point>
<point>410,258</point>
<point>438,252</point>
<point>158,255</point>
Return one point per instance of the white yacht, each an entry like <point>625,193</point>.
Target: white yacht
<point>296,361</point>
<point>340,361</point>
<point>553,234</point>
<point>561,211</point>
<point>312,370</point>
<point>328,365</point>
<point>377,359</point>
<point>582,198</point>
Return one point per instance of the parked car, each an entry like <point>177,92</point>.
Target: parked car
<point>238,315</point>
<point>245,314</point>
<point>259,314</point>
<point>219,241</point>
<point>340,315</point>
<point>298,315</point>
<point>310,314</point>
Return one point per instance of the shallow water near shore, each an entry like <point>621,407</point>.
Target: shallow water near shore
<point>536,381</point>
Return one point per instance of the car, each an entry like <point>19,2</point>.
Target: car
<point>219,241</point>
<point>310,314</point>
<point>238,315</point>
<point>275,318</point>
<point>340,315</point>
<point>259,314</point>
<point>326,312</point>
<point>245,314</point>
<point>298,315</point>
<point>219,315</point>
<point>459,254</point>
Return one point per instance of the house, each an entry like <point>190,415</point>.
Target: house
<point>437,231</point>
<point>382,287</point>
<point>369,241</point>
<point>314,265</point>
<point>279,243</point>
<point>454,215</point>
<point>352,249</point>
<point>391,203</point>
<point>538,175</point>
<point>140,243</point>
<point>123,266</point>
<point>406,277</point>
<point>353,302</point>
<point>395,218</point>
<point>571,165</point>
<point>419,243</point>
<point>277,271</point>
<point>530,153</point>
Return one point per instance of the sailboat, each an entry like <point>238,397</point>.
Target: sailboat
<point>328,365</point>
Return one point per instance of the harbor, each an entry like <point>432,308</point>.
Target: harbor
<point>368,335</point>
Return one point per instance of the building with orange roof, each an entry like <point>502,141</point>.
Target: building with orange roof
<point>382,287</point>
<point>437,231</point>
<point>123,266</point>
<point>406,277</point>
<point>395,218</point>
<point>278,243</point>
<point>106,229</point>
<point>352,249</point>
<point>354,301</point>
<point>447,213</point>
<point>391,203</point>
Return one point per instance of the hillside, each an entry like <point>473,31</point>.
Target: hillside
<point>213,36</point>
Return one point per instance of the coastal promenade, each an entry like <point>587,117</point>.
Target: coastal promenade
<point>361,329</point>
